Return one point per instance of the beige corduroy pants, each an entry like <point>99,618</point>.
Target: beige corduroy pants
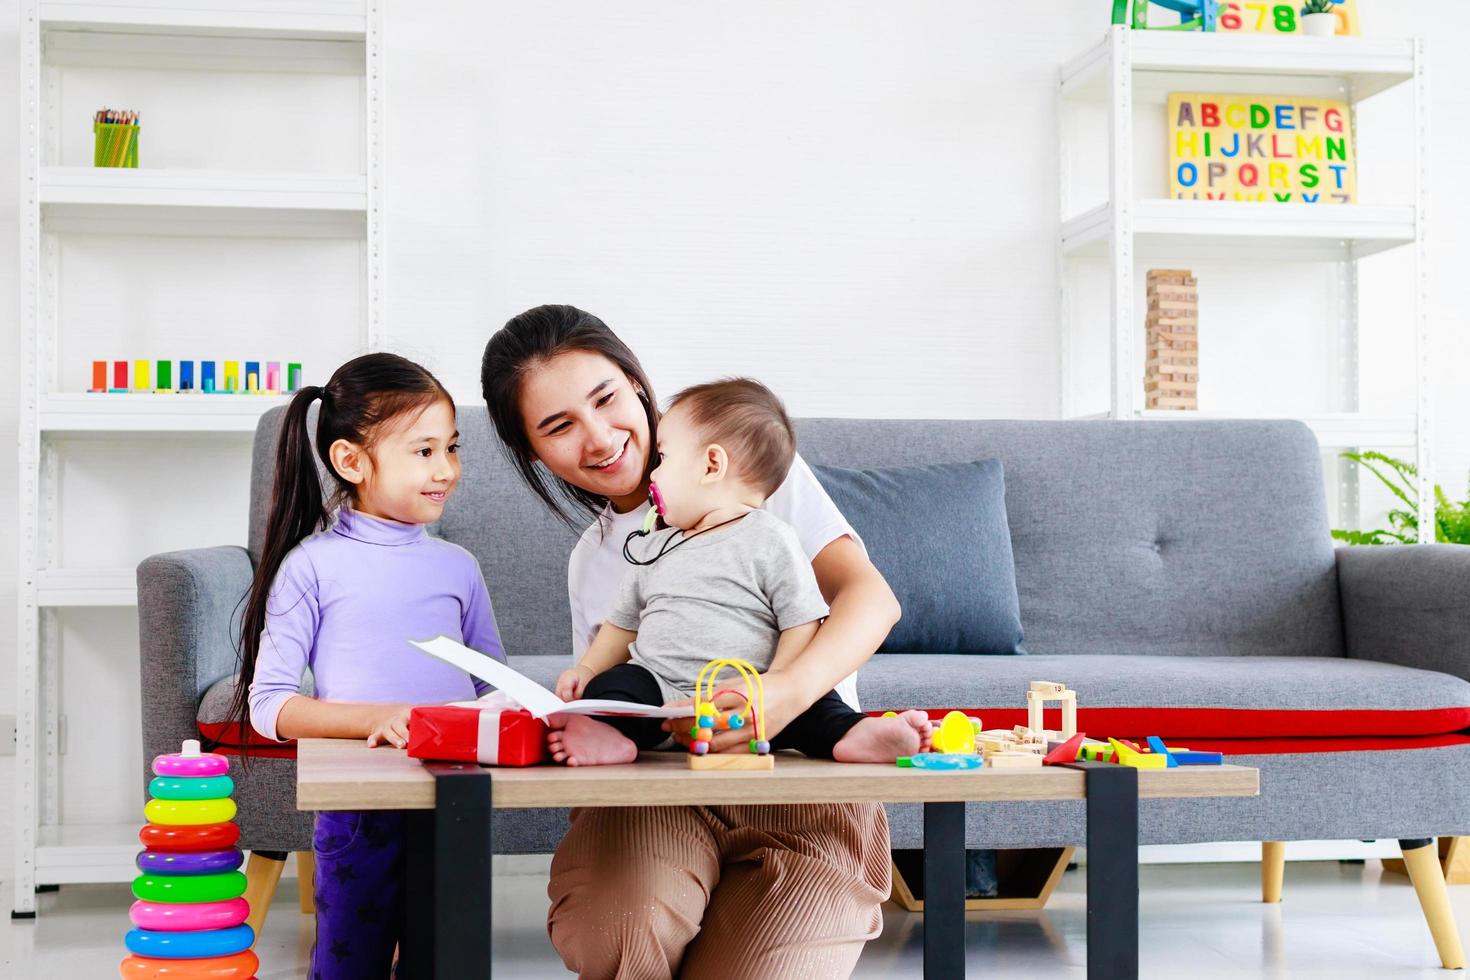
<point>726,892</point>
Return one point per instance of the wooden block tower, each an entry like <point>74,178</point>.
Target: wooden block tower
<point>1171,365</point>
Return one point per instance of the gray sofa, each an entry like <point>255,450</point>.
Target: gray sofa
<point>1183,563</point>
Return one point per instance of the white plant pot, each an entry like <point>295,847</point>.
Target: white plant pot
<point>1319,25</point>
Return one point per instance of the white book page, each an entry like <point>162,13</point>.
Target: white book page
<point>530,695</point>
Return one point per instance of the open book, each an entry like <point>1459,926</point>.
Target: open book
<point>530,695</point>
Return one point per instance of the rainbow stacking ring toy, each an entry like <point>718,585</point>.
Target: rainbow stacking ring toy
<point>190,921</point>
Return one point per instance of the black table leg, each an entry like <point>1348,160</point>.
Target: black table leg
<point>944,891</point>
<point>1112,870</point>
<point>447,932</point>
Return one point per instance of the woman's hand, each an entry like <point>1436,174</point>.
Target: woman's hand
<point>783,703</point>
<point>572,682</point>
<point>391,727</point>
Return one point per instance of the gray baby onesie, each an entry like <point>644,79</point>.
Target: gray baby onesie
<point>726,593</point>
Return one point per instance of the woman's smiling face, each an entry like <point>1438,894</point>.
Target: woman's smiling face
<point>587,425</point>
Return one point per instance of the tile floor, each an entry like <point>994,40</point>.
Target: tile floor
<point>1198,921</point>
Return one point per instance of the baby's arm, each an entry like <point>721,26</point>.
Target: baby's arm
<point>608,649</point>
<point>792,642</point>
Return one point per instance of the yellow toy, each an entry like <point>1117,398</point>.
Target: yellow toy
<point>956,733</point>
<point>708,720</point>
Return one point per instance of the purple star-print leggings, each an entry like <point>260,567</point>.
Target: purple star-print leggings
<point>359,894</point>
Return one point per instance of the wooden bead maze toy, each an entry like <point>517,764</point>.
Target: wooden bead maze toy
<point>709,719</point>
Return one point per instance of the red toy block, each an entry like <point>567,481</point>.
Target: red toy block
<point>1066,752</point>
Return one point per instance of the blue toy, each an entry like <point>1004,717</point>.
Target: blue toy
<point>1195,15</point>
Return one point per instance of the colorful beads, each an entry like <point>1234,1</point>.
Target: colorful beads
<point>189,812</point>
<point>190,922</point>
<point>190,862</point>
<point>190,917</point>
<point>706,722</point>
<point>700,748</point>
<point>760,746</point>
<point>190,945</point>
<point>240,966</point>
<point>737,721</point>
<point>196,837</point>
<point>185,788</point>
<point>189,888</point>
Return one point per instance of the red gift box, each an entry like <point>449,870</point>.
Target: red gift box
<point>491,736</point>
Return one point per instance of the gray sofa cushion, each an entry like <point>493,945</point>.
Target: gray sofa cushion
<point>939,535</point>
<point>1348,697</point>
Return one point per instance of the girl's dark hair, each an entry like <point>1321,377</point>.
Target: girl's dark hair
<point>361,396</point>
<point>526,342</point>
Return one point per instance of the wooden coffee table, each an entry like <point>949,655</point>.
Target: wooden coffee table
<point>448,930</point>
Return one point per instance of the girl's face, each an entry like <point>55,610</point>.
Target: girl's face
<point>587,426</point>
<point>412,469</point>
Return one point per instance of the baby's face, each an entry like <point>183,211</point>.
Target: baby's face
<point>685,474</point>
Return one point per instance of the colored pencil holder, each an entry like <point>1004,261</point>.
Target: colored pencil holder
<point>116,145</point>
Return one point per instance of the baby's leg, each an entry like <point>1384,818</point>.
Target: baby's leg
<point>579,740</point>
<point>830,729</point>
<point>885,739</point>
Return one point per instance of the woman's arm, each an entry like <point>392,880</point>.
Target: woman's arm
<point>863,610</point>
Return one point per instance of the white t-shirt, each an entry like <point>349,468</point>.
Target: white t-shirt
<point>597,566</point>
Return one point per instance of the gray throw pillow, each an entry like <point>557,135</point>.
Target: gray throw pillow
<point>940,536</point>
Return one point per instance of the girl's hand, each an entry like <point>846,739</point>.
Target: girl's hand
<point>391,728</point>
<point>783,703</point>
<point>572,682</point>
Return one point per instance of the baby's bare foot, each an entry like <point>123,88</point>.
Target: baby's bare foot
<point>885,739</point>
<point>581,741</point>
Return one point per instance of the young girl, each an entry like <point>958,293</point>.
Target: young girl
<point>343,597</point>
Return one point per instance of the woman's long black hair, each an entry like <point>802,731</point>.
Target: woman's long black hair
<point>360,397</point>
<point>531,339</point>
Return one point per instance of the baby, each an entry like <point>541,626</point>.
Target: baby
<point>725,579</point>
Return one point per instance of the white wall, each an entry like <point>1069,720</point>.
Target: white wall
<point>854,201</point>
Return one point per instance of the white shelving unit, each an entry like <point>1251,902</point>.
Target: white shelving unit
<point>337,36</point>
<point>1131,68</point>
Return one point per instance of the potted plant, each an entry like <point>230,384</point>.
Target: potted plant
<point>1451,518</point>
<point>1318,20</point>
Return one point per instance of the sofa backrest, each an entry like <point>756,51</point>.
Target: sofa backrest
<point>1167,538</point>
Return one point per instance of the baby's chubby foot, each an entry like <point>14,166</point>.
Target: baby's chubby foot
<point>885,739</point>
<point>577,740</point>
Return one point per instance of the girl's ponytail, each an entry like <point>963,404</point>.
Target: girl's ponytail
<point>297,510</point>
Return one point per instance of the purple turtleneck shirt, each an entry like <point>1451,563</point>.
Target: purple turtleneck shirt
<point>345,603</point>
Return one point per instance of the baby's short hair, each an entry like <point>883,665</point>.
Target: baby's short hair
<point>749,420</point>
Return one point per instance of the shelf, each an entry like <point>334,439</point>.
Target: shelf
<point>1334,430</point>
<point>201,189</point>
<point>58,588</point>
<point>1360,67</point>
<point>87,853</point>
<point>154,412</point>
<point>1182,230</point>
<point>319,20</point>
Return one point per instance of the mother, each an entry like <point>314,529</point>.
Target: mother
<point>719,891</point>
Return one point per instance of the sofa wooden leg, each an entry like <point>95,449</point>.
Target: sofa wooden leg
<point>306,876</point>
<point>1273,869</point>
<point>1421,858</point>
<point>262,872</point>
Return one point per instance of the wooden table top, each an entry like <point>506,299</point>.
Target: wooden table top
<point>344,774</point>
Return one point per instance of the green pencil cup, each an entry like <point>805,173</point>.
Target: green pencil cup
<point>116,145</point>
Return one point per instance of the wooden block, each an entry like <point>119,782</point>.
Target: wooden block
<point>1172,361</point>
<point>1169,275</point>
<point>1173,291</point>
<point>1181,404</point>
<point>1013,760</point>
<point>737,761</point>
